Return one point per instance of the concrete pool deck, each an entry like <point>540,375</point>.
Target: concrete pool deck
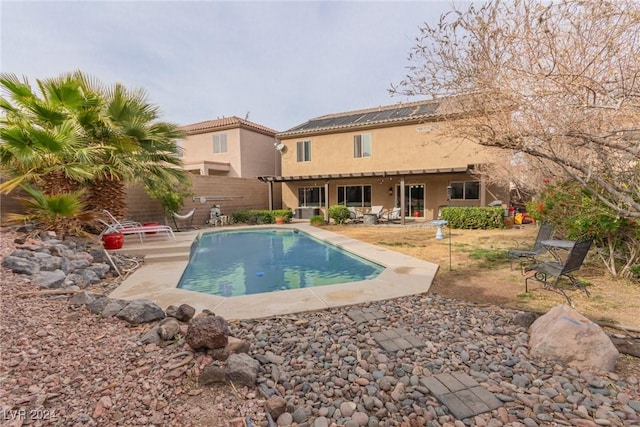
<point>165,260</point>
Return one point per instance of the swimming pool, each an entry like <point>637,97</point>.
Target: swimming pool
<point>244,262</point>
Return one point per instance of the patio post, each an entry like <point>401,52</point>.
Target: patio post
<point>402,201</point>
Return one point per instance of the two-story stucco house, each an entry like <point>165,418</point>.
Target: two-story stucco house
<point>231,147</point>
<point>394,156</point>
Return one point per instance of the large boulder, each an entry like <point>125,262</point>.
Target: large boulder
<point>565,335</point>
<point>242,369</point>
<point>209,331</point>
<point>141,311</point>
<point>183,313</point>
<point>20,265</point>
<point>49,279</point>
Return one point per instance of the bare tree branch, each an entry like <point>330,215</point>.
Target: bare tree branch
<point>558,81</point>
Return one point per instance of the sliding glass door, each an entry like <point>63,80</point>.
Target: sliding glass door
<point>414,195</point>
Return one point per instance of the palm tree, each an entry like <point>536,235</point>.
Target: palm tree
<point>137,148</point>
<point>42,141</point>
<point>59,213</point>
<point>77,133</point>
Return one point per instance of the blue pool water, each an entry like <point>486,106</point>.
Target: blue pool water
<point>232,263</point>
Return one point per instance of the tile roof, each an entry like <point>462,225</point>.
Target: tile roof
<point>401,112</point>
<point>225,123</point>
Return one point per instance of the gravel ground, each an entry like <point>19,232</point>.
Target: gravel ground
<point>62,366</point>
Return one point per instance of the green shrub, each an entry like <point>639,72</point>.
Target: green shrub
<point>260,216</point>
<point>575,212</point>
<point>339,213</point>
<point>287,214</point>
<point>317,220</point>
<point>474,217</point>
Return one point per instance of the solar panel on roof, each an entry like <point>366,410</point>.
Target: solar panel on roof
<point>384,114</point>
<point>401,113</point>
<point>372,116</point>
<point>427,109</point>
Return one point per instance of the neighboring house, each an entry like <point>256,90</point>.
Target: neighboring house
<point>230,147</point>
<point>393,156</point>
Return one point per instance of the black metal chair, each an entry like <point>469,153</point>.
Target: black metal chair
<point>555,270</point>
<point>545,232</point>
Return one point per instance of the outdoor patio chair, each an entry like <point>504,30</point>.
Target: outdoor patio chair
<point>555,270</point>
<point>355,215</point>
<point>392,215</point>
<point>545,232</point>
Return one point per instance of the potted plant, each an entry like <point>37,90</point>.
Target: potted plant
<point>281,216</point>
<point>317,220</point>
<point>113,240</point>
<point>418,212</point>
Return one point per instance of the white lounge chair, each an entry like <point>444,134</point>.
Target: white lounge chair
<point>123,223</point>
<point>139,230</point>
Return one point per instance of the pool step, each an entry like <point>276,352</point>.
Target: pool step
<point>166,257</point>
<point>157,249</point>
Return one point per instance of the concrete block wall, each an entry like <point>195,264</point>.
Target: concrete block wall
<point>231,194</point>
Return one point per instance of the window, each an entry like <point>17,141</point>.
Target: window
<point>310,196</point>
<point>304,151</point>
<point>467,190</point>
<point>362,145</point>
<point>354,195</point>
<point>220,143</point>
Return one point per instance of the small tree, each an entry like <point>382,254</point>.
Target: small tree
<point>170,192</point>
<point>575,211</point>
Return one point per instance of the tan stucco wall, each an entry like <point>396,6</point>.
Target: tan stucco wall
<point>258,154</point>
<point>435,191</point>
<point>249,154</point>
<point>417,146</point>
<point>199,147</point>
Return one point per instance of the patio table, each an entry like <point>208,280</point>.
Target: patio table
<point>557,247</point>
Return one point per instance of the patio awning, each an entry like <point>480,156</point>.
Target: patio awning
<point>270,178</point>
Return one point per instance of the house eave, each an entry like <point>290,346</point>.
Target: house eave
<point>293,178</point>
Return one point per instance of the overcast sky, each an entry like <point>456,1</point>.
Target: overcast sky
<point>281,63</point>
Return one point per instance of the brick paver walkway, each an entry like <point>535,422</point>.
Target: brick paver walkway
<point>457,391</point>
<point>461,394</point>
<point>397,339</point>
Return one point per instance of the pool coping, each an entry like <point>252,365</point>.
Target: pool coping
<point>403,276</point>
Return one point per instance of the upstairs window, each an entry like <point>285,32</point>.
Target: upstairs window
<point>220,143</point>
<point>304,151</point>
<point>180,148</point>
<point>362,145</point>
<point>466,190</point>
